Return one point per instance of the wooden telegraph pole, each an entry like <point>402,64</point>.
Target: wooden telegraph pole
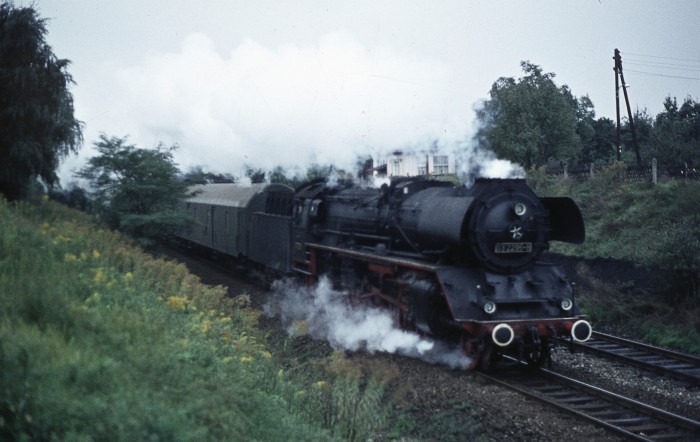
<point>617,104</point>
<point>620,75</point>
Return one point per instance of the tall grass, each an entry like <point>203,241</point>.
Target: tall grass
<point>656,227</point>
<point>100,341</point>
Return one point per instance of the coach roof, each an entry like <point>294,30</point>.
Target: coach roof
<point>225,194</point>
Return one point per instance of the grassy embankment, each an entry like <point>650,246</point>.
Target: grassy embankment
<point>100,341</point>
<point>655,227</point>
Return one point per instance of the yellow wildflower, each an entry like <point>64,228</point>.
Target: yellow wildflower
<point>93,299</point>
<point>95,254</point>
<point>69,257</point>
<point>227,359</point>
<point>267,354</point>
<point>128,277</point>
<point>320,385</point>
<point>246,359</point>
<point>60,239</point>
<point>177,302</point>
<point>224,320</point>
<point>99,276</point>
<point>206,326</point>
<point>242,341</point>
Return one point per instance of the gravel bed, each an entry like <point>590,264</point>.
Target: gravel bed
<point>659,391</point>
<point>503,415</point>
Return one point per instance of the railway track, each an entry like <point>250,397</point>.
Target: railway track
<point>677,365</point>
<point>619,415</point>
<point>624,416</point>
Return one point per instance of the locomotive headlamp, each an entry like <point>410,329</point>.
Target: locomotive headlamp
<point>566,304</point>
<point>502,335</point>
<point>489,307</point>
<point>520,209</point>
<point>581,331</point>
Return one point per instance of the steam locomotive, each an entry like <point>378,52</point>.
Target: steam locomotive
<point>464,265</point>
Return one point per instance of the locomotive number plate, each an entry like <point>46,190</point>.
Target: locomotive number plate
<point>513,247</point>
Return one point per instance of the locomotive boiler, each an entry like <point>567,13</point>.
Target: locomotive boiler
<point>461,264</point>
<point>464,265</point>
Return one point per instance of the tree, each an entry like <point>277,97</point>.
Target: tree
<point>530,120</point>
<point>677,133</point>
<point>256,176</point>
<point>72,196</point>
<point>37,125</point>
<point>644,128</point>
<point>598,144</point>
<point>282,176</point>
<point>197,175</point>
<point>136,190</point>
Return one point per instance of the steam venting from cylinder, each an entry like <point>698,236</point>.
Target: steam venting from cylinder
<point>324,314</point>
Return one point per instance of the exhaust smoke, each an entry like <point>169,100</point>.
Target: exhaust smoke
<point>325,314</point>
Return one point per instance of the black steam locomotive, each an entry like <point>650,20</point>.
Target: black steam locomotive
<point>461,264</point>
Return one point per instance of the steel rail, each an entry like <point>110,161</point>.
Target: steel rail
<point>670,363</point>
<point>624,416</point>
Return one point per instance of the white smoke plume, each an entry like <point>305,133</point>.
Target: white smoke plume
<point>327,102</point>
<point>325,313</point>
<point>474,162</point>
<point>250,104</point>
<point>471,160</point>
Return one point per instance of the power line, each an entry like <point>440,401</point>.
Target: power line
<point>662,75</point>
<point>659,56</point>
<point>659,66</point>
<point>681,67</point>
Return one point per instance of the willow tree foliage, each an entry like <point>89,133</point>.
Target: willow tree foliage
<point>136,190</point>
<point>531,120</point>
<point>37,124</point>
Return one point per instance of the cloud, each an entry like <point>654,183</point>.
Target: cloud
<point>291,105</point>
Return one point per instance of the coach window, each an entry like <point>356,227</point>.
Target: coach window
<point>213,231</point>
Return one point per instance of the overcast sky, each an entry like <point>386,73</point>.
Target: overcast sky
<point>268,83</point>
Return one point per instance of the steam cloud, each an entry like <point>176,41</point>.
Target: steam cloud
<point>327,102</point>
<point>324,313</point>
<point>323,102</point>
<point>474,162</point>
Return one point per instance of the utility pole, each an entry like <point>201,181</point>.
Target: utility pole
<point>617,105</point>
<point>618,73</point>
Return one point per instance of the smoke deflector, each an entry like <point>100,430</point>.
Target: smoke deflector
<point>565,220</point>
